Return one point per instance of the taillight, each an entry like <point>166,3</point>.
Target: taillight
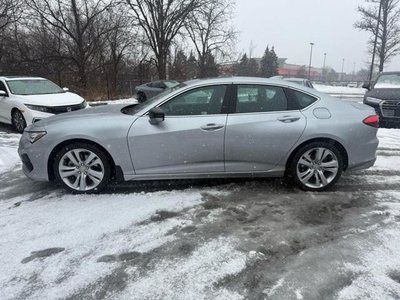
<point>372,121</point>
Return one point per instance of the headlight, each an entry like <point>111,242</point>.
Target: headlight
<point>34,136</point>
<point>38,108</point>
<point>374,100</point>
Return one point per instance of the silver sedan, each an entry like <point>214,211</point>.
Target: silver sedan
<point>216,128</point>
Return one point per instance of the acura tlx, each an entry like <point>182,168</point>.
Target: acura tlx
<point>214,128</point>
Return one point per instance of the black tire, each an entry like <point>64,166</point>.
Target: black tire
<point>141,97</point>
<point>293,172</point>
<point>18,121</point>
<point>106,171</point>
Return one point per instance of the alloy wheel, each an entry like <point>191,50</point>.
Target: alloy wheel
<point>317,167</point>
<point>18,121</point>
<point>81,170</point>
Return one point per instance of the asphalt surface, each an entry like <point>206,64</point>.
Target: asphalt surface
<point>296,245</point>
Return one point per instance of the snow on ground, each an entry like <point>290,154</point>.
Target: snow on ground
<point>9,158</point>
<point>341,91</point>
<point>256,239</point>
<point>117,101</point>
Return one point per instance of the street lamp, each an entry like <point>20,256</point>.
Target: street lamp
<point>341,74</point>
<point>323,68</point>
<point>309,66</point>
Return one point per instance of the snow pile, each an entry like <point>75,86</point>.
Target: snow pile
<point>119,101</point>
<point>9,158</point>
<point>191,278</point>
<point>378,273</point>
<point>88,227</point>
<point>340,91</point>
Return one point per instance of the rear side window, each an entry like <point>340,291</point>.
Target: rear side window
<point>302,100</point>
<point>260,98</point>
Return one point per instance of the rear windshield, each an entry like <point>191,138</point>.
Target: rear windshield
<point>33,87</point>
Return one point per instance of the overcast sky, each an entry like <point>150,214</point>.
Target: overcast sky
<point>290,26</point>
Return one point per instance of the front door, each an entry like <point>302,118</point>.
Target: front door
<point>262,129</point>
<point>189,140</point>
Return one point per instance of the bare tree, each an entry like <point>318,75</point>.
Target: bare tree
<point>388,35</point>
<point>10,12</point>
<point>209,30</point>
<point>161,21</point>
<point>81,25</point>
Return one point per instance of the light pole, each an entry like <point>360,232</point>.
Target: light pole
<point>341,74</point>
<point>309,66</point>
<point>375,42</point>
<point>323,68</point>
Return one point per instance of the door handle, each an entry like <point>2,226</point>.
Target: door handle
<point>288,119</point>
<point>211,127</point>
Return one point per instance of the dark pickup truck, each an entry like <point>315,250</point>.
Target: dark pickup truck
<point>384,96</point>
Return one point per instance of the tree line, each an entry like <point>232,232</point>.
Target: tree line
<point>100,48</point>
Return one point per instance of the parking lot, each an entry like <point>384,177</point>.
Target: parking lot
<point>219,239</point>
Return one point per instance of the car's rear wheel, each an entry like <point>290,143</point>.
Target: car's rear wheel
<point>18,120</point>
<point>141,97</point>
<point>82,168</point>
<point>316,166</point>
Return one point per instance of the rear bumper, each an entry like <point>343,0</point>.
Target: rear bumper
<point>362,166</point>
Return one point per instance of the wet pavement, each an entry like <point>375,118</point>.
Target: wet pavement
<point>226,239</point>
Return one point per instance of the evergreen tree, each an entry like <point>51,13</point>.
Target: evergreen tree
<point>252,67</point>
<point>179,66</point>
<point>269,63</point>
<point>242,67</point>
<point>192,67</point>
<point>211,67</point>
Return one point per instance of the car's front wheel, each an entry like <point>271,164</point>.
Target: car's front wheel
<point>316,166</point>
<point>18,120</point>
<point>82,168</point>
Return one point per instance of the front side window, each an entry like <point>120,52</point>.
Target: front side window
<point>33,87</point>
<point>200,101</point>
<point>2,87</point>
<point>260,98</point>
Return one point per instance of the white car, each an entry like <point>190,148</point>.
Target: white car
<point>26,100</point>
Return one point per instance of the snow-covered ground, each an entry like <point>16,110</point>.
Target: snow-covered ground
<point>234,239</point>
<point>341,91</point>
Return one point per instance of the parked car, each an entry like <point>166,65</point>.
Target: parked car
<point>26,100</point>
<point>301,81</point>
<point>384,96</point>
<point>226,127</point>
<point>149,90</point>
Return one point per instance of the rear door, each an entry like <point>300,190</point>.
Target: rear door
<point>262,129</point>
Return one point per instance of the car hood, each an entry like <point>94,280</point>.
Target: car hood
<point>88,113</point>
<point>384,94</point>
<point>60,99</point>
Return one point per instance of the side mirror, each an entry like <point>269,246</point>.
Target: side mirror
<point>366,85</point>
<point>3,93</point>
<point>66,89</point>
<point>156,115</point>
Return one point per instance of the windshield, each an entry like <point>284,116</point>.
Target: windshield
<point>171,83</point>
<point>33,87</point>
<point>387,81</point>
<point>133,109</point>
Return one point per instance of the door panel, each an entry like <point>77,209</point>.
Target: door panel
<point>180,144</point>
<point>258,142</point>
<point>262,129</point>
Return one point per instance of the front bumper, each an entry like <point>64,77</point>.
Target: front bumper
<point>388,110</point>
<point>34,159</point>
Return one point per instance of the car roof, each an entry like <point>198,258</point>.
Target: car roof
<point>390,73</point>
<point>21,78</point>
<point>240,80</point>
